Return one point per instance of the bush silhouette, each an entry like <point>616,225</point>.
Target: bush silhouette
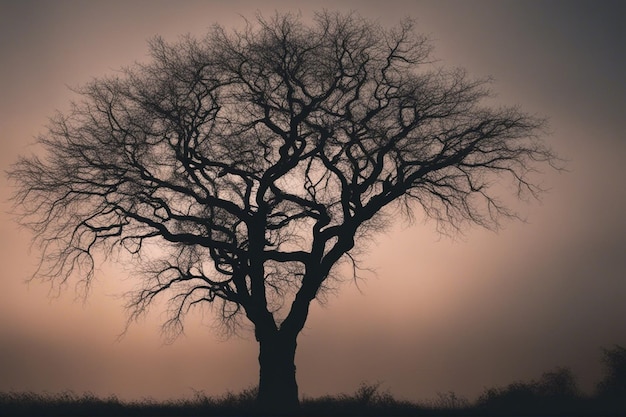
<point>449,401</point>
<point>559,383</point>
<point>611,390</point>
<point>614,382</point>
<point>555,391</point>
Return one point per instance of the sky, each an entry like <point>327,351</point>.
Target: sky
<point>441,313</point>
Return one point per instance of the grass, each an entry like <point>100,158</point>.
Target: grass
<point>366,401</point>
<point>513,400</point>
<point>555,394</point>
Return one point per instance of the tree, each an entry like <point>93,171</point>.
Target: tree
<point>239,169</point>
<point>613,385</point>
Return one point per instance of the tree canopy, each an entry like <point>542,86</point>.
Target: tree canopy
<point>240,168</point>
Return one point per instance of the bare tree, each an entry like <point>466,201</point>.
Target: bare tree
<point>239,169</point>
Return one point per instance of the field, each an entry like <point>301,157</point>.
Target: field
<point>518,399</point>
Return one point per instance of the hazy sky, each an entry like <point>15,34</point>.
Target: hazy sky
<point>440,314</point>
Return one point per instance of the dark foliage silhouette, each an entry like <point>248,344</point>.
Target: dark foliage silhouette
<point>612,388</point>
<point>556,391</point>
<point>239,169</point>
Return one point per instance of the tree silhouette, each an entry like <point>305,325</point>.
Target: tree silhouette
<point>240,168</point>
<point>613,385</point>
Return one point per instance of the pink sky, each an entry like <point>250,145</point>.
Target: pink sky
<point>440,313</point>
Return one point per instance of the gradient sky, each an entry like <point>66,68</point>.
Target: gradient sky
<point>440,314</point>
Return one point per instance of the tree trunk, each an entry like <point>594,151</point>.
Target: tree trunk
<point>278,390</point>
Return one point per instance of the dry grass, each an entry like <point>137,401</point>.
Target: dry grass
<point>556,394</point>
